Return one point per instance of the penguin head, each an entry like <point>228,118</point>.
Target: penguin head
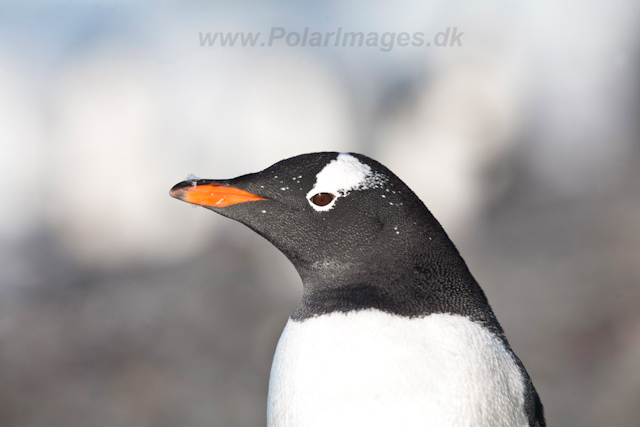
<point>329,213</point>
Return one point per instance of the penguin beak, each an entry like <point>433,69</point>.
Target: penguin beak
<point>204,192</point>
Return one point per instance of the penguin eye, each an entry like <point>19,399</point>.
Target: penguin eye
<point>322,199</point>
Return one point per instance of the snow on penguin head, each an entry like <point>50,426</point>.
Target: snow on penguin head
<point>342,175</point>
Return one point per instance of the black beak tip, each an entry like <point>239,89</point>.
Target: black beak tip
<point>177,190</point>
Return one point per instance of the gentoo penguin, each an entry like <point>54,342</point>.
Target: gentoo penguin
<point>392,328</point>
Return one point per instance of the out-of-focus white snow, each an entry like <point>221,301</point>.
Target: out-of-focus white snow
<point>21,151</point>
<point>443,148</point>
<point>131,132</point>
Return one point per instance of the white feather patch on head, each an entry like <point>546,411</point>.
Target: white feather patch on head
<point>342,175</point>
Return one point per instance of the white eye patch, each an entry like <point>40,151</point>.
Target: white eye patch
<point>342,175</point>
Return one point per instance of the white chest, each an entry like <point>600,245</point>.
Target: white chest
<point>370,368</point>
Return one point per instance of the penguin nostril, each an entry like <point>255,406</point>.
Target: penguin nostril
<point>322,199</point>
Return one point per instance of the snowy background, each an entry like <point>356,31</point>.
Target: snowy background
<point>120,306</point>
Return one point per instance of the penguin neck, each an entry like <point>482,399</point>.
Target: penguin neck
<point>412,283</point>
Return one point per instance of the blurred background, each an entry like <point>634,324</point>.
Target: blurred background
<point>120,306</point>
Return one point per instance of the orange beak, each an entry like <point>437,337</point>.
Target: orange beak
<point>208,194</point>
